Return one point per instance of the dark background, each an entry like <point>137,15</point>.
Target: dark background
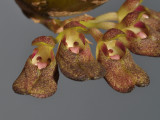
<point>90,100</point>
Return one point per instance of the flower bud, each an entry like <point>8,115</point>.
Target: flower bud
<point>40,74</point>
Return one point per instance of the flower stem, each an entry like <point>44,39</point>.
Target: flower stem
<point>101,25</point>
<point>95,33</point>
<point>102,21</point>
<point>111,16</point>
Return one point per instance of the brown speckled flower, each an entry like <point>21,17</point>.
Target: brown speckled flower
<point>143,36</point>
<point>122,74</point>
<point>74,55</point>
<point>40,74</point>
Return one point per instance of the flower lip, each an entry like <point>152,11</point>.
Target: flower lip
<point>75,50</point>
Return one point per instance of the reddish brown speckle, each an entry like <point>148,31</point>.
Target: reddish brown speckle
<point>49,60</point>
<point>45,39</point>
<point>52,55</point>
<point>140,8</point>
<point>76,43</point>
<point>112,33</point>
<point>64,41</point>
<point>120,45</point>
<point>110,51</point>
<point>39,58</point>
<point>73,24</point>
<point>131,4</point>
<point>140,25</point>
<point>130,34</point>
<point>82,37</point>
<point>35,51</point>
<point>130,19</point>
<point>104,49</point>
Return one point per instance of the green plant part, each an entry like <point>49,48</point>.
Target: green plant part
<point>74,55</point>
<point>122,74</point>
<point>58,8</point>
<point>143,37</point>
<point>40,74</point>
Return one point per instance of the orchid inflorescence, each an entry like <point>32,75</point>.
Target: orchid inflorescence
<point>134,28</point>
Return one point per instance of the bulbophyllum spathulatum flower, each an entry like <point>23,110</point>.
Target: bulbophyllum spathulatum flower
<point>143,37</point>
<point>74,55</point>
<point>137,30</point>
<point>122,74</point>
<point>40,74</point>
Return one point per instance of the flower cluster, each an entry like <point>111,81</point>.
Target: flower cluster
<point>136,30</point>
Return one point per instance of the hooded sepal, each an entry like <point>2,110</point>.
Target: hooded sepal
<point>127,7</point>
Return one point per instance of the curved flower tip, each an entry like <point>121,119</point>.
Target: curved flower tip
<point>127,7</point>
<point>75,58</point>
<point>40,74</point>
<point>44,40</point>
<point>142,36</point>
<point>122,74</point>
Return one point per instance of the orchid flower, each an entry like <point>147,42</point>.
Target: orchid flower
<point>40,74</point>
<point>122,74</point>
